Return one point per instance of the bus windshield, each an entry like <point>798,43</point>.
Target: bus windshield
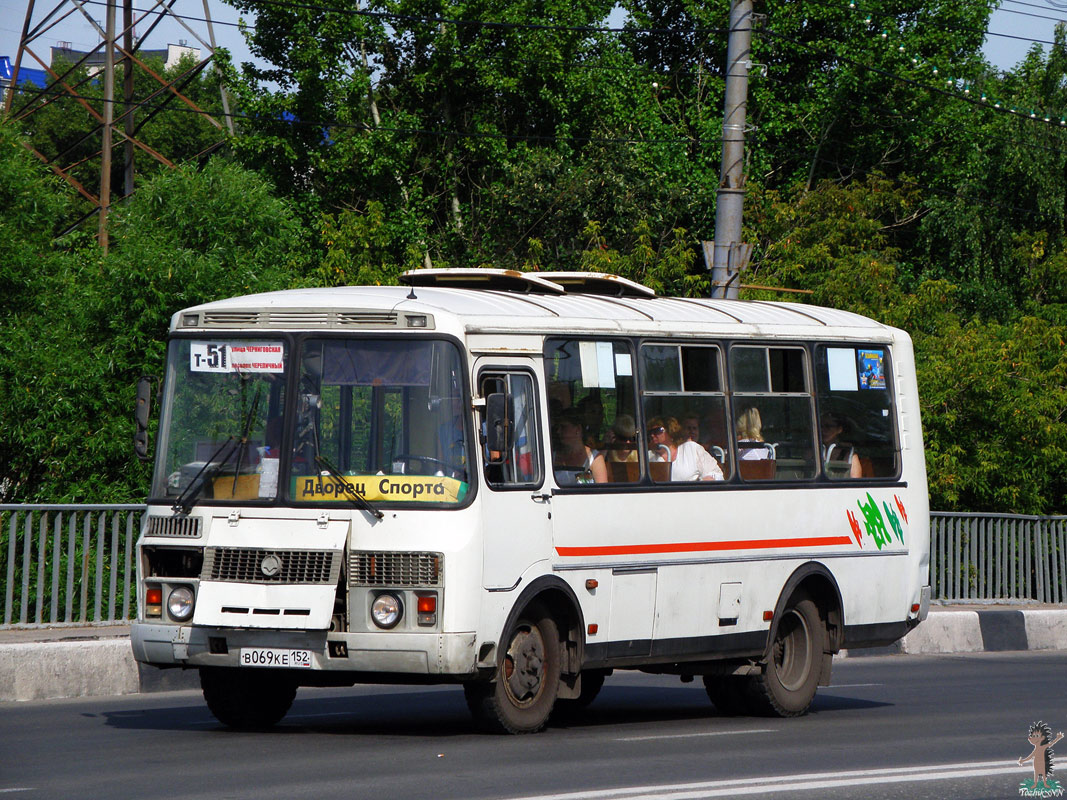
<point>221,419</point>
<point>384,418</point>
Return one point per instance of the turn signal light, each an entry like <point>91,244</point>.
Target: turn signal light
<point>768,616</point>
<point>153,601</point>
<point>427,609</point>
<point>593,628</point>
<point>914,608</point>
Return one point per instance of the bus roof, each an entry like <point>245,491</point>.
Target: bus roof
<point>566,307</point>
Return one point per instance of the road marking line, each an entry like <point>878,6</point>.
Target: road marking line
<point>17,789</point>
<point>796,783</point>
<point>693,735</point>
<point>853,685</point>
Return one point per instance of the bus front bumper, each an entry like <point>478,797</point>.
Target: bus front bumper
<point>444,654</point>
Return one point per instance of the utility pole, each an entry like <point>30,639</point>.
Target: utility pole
<point>727,252</point>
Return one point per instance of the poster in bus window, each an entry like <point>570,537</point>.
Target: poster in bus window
<point>872,369</point>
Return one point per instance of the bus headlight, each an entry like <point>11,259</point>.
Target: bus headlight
<point>180,603</point>
<point>386,610</point>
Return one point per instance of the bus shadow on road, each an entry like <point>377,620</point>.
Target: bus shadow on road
<point>442,711</point>
<point>625,704</point>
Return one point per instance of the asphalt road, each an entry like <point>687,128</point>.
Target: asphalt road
<point>893,727</point>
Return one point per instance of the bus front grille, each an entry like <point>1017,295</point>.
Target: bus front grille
<point>253,565</point>
<point>186,527</point>
<point>394,569</point>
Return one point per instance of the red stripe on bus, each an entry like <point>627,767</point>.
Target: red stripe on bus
<point>702,547</point>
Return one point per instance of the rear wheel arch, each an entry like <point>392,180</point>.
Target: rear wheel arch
<point>815,580</point>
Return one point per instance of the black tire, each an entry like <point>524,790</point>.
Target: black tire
<point>523,693</point>
<point>786,686</point>
<point>247,699</point>
<point>728,693</point>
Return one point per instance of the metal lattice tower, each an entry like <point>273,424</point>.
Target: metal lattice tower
<point>114,119</point>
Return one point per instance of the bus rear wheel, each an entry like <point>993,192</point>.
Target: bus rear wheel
<point>521,697</point>
<point>786,686</point>
<point>247,699</point>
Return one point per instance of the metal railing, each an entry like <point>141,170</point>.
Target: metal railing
<point>65,564</point>
<point>74,564</point>
<point>997,557</point>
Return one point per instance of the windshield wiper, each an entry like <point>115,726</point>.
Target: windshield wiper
<point>350,493</point>
<point>184,502</point>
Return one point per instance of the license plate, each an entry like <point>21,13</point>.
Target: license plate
<point>275,657</point>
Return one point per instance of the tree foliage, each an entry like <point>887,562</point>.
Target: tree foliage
<point>891,171</point>
<point>93,324</point>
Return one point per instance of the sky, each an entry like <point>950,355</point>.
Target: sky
<point>1025,19</point>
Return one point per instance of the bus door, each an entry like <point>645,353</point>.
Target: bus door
<point>515,505</point>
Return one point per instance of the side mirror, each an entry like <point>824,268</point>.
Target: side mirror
<point>497,424</point>
<point>141,414</point>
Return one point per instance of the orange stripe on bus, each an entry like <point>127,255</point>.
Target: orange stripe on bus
<point>702,547</point>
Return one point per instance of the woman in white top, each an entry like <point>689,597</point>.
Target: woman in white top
<point>689,461</point>
<point>749,431</point>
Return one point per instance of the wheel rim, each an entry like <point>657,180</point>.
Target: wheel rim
<point>524,666</point>
<point>792,650</point>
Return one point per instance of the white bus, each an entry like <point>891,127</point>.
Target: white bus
<point>519,482</point>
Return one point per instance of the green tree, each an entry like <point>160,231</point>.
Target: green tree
<point>69,362</point>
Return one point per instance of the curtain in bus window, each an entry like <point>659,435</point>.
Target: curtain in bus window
<point>856,430</point>
<point>367,362</point>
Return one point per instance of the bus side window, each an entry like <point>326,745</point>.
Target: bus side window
<point>772,413</point>
<point>519,466</point>
<point>592,414</point>
<point>857,437</point>
<point>682,394</point>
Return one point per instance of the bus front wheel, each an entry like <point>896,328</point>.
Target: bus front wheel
<point>521,697</point>
<point>788,680</point>
<point>247,699</point>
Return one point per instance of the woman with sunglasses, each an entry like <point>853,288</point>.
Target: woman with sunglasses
<point>689,460</point>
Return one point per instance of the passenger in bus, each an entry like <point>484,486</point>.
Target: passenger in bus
<point>689,460</point>
<point>623,445</point>
<point>836,454</point>
<point>592,413</point>
<point>750,435</point>
<point>572,459</point>
<point>691,427</point>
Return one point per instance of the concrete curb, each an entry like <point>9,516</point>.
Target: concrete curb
<point>49,664</point>
<point>982,630</point>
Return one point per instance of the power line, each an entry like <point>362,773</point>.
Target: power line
<point>438,20</point>
<point>983,102</point>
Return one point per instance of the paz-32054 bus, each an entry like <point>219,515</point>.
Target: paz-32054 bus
<point>519,482</point>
